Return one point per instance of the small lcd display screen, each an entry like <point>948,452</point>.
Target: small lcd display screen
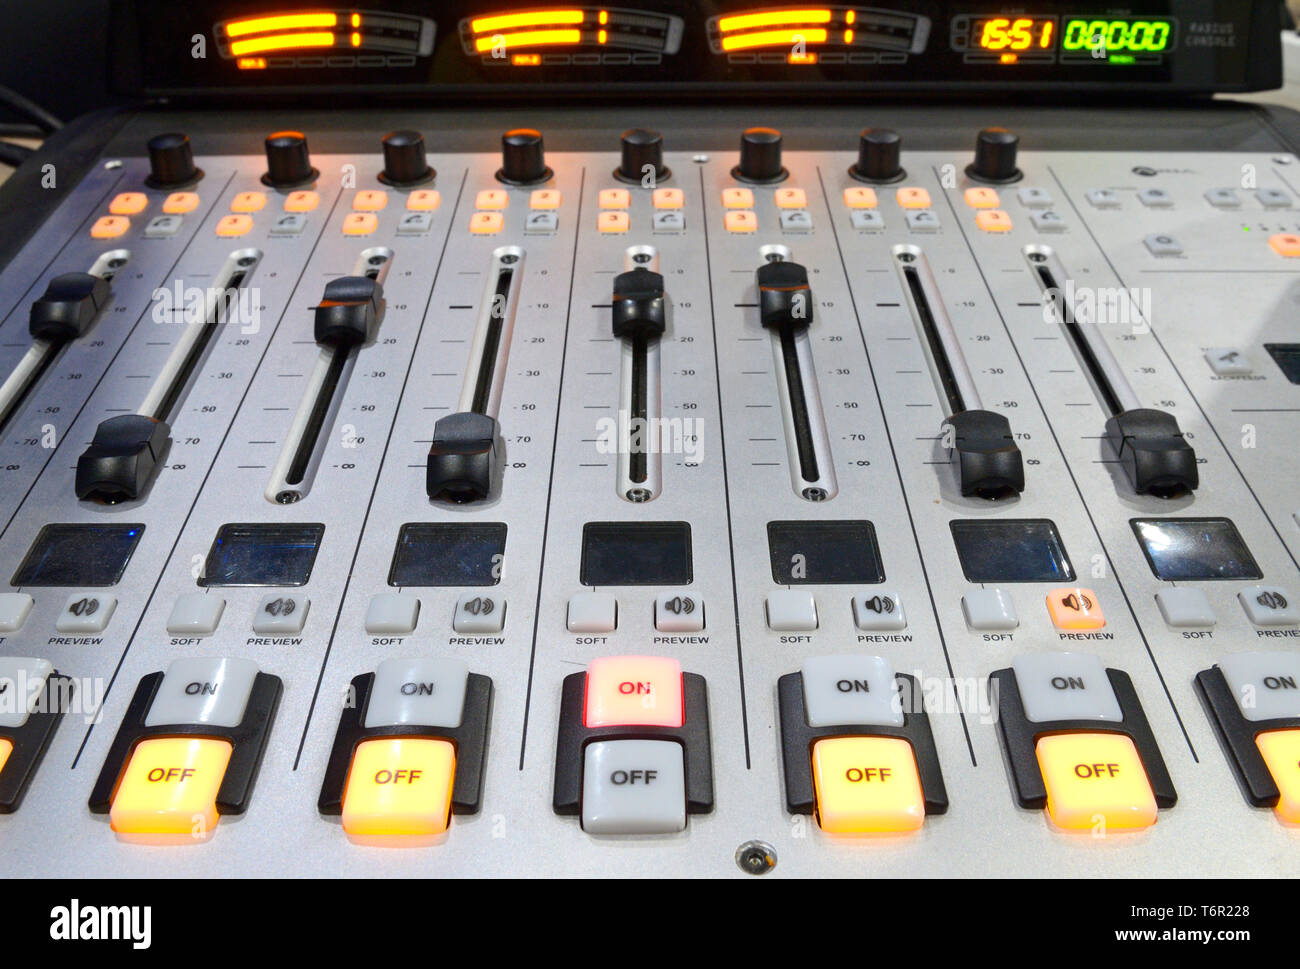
<point>1190,549</point>
<point>830,553</point>
<point>262,555</point>
<point>448,554</point>
<point>1287,358</point>
<point>1011,550</point>
<point>636,553</point>
<point>93,555</point>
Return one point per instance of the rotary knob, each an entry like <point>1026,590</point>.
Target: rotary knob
<point>523,158</point>
<point>405,163</point>
<point>760,156</point>
<point>995,157</point>
<point>171,161</point>
<point>288,162</point>
<point>879,150</point>
<point>643,158</point>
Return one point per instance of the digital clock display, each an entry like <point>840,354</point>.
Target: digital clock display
<point>1013,34</point>
<point>1128,35</point>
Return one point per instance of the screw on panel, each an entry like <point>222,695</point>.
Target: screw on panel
<point>699,159</point>
<point>756,857</point>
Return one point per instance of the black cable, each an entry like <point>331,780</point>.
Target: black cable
<point>14,155</point>
<point>30,110</point>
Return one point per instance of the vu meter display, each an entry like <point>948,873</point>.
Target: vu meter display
<point>1027,39</point>
<point>800,35</point>
<point>277,40</point>
<point>534,37</point>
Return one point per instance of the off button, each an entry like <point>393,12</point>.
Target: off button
<point>633,787</point>
<point>1095,781</point>
<point>168,792</point>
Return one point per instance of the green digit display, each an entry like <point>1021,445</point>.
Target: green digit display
<point>1122,36</point>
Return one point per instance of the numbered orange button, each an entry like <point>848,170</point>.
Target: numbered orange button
<point>492,198</point>
<point>614,198</point>
<point>669,198</point>
<point>913,198</point>
<point>360,223</point>
<point>1095,781</point>
<point>1285,244</point>
<point>613,221</point>
<point>301,201</point>
<point>982,198</point>
<point>791,198</point>
<point>486,223</point>
<point>544,198</point>
<point>634,690</point>
<point>740,222</point>
<point>867,785</point>
<point>993,220</point>
<point>369,200</point>
<point>860,197</point>
<point>234,225</point>
<point>109,227</point>
<point>178,203</point>
<point>248,202</point>
<point>129,203</point>
<point>1075,609</point>
<point>423,200</point>
<point>737,198</point>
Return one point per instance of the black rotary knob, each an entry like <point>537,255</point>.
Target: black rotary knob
<point>405,163</point>
<point>995,156</point>
<point>523,158</point>
<point>288,162</point>
<point>643,158</point>
<point>879,150</point>
<point>760,156</point>
<point>171,161</point>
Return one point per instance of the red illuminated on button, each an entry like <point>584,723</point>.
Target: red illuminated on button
<point>634,691</point>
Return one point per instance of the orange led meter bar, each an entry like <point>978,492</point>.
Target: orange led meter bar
<point>247,40</point>
<point>797,28</point>
<point>510,35</point>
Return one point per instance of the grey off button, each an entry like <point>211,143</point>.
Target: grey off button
<point>633,787</point>
<point>1065,686</point>
<point>206,690</point>
<point>850,690</point>
<point>1266,686</point>
<point>428,692</point>
<point>1160,244</point>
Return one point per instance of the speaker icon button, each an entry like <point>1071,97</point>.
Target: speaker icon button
<point>880,609</point>
<point>679,612</point>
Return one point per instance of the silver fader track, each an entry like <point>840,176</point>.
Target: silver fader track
<point>1014,443</point>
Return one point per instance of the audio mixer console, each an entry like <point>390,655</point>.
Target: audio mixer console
<point>655,489</point>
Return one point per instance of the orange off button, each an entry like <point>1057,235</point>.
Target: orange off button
<point>168,792</point>
<point>867,785</point>
<point>1095,782</point>
<point>399,791</point>
<point>1281,751</point>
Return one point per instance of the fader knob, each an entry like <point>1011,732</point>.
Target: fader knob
<point>760,156</point>
<point>879,150</point>
<point>643,158</point>
<point>288,162</point>
<point>171,161</point>
<point>523,158</point>
<point>995,156</point>
<point>404,160</point>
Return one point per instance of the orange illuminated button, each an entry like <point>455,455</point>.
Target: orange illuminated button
<point>982,198</point>
<point>1285,244</point>
<point>913,198</point>
<point>492,198</point>
<point>740,222</point>
<point>234,225</point>
<point>169,788</point>
<point>737,198</point>
<point>993,220</point>
<point>544,198</point>
<point>1281,751</point>
<point>6,748</point>
<point>109,227</point>
<point>1075,609</point>
<point>668,198</point>
<point>791,198</point>
<point>634,690</point>
<point>613,221</point>
<point>399,787</point>
<point>369,200</point>
<point>129,203</point>
<point>860,197</point>
<point>178,203</point>
<point>486,223</point>
<point>1095,781</point>
<point>867,785</point>
<point>248,202</point>
<point>360,223</point>
<point>303,201</point>
<point>423,200</point>
<point>614,198</point>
